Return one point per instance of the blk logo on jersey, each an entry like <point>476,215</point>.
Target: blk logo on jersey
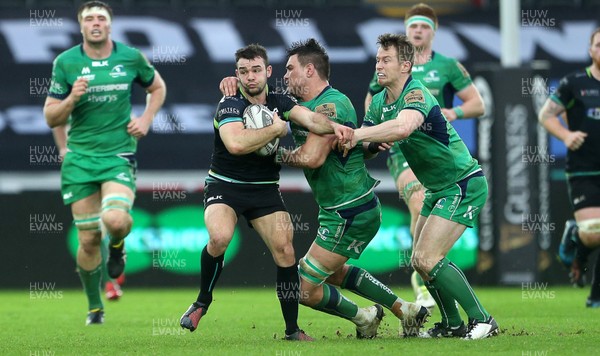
<point>216,197</point>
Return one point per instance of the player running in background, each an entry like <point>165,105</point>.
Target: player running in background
<point>91,89</point>
<point>112,286</point>
<point>445,77</point>
<point>577,100</point>
<point>456,190</point>
<point>240,182</point>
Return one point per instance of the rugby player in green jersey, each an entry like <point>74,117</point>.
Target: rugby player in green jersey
<point>445,77</point>
<point>349,211</point>
<point>91,89</point>
<point>455,187</point>
<point>577,100</point>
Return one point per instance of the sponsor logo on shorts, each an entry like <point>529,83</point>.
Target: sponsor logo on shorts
<point>470,211</point>
<point>356,246</point>
<point>216,197</point>
<point>440,204</point>
<point>455,201</point>
<point>578,199</point>
<point>69,195</point>
<point>122,176</point>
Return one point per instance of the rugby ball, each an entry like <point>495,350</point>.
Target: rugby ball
<point>256,117</point>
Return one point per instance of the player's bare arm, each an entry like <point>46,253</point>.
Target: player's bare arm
<point>157,92</point>
<point>319,123</point>
<point>472,105</point>
<point>312,154</point>
<point>60,139</point>
<point>241,141</point>
<point>406,122</point>
<point>57,111</point>
<point>548,117</point>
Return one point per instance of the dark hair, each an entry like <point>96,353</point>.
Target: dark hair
<point>596,31</point>
<point>422,9</point>
<point>311,51</point>
<point>405,49</point>
<point>252,51</point>
<point>91,4</point>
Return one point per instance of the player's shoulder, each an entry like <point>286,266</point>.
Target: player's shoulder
<point>278,95</point>
<point>123,50</point>
<point>74,53</point>
<point>232,101</point>
<point>573,78</point>
<point>334,96</point>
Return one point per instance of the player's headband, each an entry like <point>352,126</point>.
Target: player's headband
<point>96,10</point>
<point>420,19</point>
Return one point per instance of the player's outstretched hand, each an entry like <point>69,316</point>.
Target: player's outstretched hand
<point>229,86</point>
<point>575,139</point>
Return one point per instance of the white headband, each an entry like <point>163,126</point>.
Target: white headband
<point>96,10</point>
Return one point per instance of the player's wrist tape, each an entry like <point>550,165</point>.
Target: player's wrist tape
<point>373,147</point>
<point>459,112</point>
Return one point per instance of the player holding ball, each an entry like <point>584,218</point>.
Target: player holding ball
<point>241,182</point>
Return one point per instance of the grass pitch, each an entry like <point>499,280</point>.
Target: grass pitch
<point>543,321</point>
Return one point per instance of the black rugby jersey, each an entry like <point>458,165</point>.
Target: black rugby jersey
<point>249,168</point>
<point>579,93</point>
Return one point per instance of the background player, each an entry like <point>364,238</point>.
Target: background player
<point>91,84</point>
<point>577,100</point>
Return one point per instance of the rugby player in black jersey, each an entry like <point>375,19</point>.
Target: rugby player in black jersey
<point>240,182</point>
<point>577,100</point>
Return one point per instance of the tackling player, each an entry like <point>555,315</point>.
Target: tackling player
<point>456,189</point>
<point>445,77</point>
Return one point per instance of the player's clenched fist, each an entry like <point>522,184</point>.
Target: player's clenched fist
<point>281,124</point>
<point>78,89</point>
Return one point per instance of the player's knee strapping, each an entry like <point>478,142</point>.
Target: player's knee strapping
<point>410,189</point>
<point>116,201</point>
<point>312,271</point>
<point>87,222</point>
<point>589,226</point>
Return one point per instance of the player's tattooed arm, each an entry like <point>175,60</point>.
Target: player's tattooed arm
<point>548,117</point>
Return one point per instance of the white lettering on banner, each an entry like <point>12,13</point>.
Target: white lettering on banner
<point>517,175</point>
<point>159,32</point>
<point>36,44</point>
<point>291,34</point>
<point>221,38</point>
<point>565,44</point>
<point>26,119</point>
<point>195,118</point>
